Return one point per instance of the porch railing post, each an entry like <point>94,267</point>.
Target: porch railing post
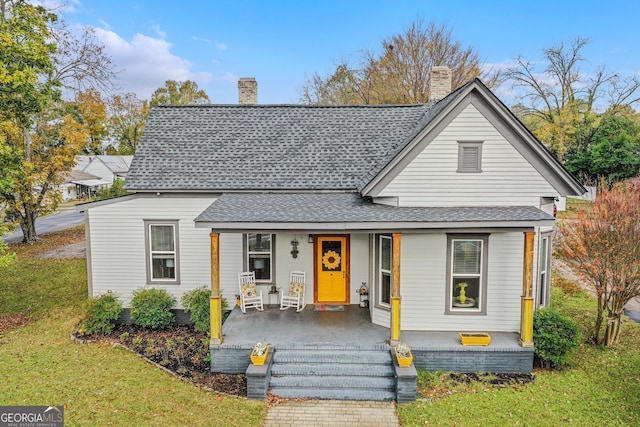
<point>216,299</point>
<point>526,304</point>
<point>395,290</point>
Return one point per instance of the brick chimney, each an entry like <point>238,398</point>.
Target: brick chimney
<point>247,91</point>
<point>440,83</point>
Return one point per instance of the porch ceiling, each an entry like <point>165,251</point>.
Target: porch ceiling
<point>351,212</point>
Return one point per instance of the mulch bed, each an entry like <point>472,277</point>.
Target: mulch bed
<point>181,350</point>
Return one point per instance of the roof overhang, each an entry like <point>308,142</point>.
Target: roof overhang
<point>342,212</point>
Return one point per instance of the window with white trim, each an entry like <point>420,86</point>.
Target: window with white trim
<point>384,271</point>
<point>161,238</point>
<point>467,274</point>
<point>259,255</point>
<point>543,276</point>
<point>470,156</point>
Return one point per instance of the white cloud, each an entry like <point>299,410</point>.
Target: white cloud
<point>159,32</point>
<point>221,46</point>
<point>198,39</point>
<point>146,63</point>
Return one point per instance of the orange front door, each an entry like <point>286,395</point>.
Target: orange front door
<point>332,269</point>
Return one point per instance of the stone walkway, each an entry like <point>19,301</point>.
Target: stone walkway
<point>339,413</point>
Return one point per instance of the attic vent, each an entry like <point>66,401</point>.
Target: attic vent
<point>470,156</point>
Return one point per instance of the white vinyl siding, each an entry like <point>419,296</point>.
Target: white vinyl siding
<point>118,246</point>
<point>432,178</point>
<point>423,285</point>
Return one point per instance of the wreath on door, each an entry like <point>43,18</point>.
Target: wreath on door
<point>331,260</point>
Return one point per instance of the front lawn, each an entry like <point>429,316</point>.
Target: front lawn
<point>97,383</point>
<point>600,387</point>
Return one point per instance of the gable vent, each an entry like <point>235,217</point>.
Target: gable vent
<point>469,156</point>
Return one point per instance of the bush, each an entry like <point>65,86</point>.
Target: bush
<point>100,314</point>
<point>196,302</point>
<point>151,308</point>
<point>555,336</point>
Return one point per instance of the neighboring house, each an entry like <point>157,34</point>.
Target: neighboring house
<point>409,200</point>
<point>78,185</point>
<point>93,173</point>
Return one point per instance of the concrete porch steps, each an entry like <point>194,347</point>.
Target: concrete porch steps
<point>336,374</point>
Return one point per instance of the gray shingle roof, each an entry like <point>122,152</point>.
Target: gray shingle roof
<point>268,147</point>
<point>333,208</point>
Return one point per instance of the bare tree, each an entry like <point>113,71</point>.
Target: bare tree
<point>559,99</point>
<point>400,72</point>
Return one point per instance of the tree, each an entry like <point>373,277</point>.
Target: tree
<point>7,183</point>
<point>35,124</point>
<point>400,72</point>
<point>608,150</point>
<point>603,247</point>
<point>127,115</point>
<point>557,102</point>
<point>89,110</point>
<point>179,93</point>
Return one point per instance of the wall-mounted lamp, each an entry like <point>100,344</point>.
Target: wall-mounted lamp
<point>310,238</point>
<point>294,248</point>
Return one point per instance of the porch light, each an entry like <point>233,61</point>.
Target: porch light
<point>310,238</point>
<point>294,248</point>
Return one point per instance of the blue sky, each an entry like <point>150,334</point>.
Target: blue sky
<point>282,43</point>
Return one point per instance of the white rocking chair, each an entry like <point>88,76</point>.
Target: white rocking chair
<point>295,296</point>
<point>249,296</point>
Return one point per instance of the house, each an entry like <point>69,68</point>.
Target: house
<point>105,169</point>
<point>441,212</point>
<point>78,184</point>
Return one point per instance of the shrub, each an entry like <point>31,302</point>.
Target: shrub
<point>197,303</point>
<point>555,336</point>
<point>151,308</point>
<point>100,314</point>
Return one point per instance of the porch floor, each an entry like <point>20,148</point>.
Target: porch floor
<point>351,328</point>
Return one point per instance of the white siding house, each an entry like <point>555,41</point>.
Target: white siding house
<point>439,210</point>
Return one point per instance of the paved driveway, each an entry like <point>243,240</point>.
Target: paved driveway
<point>48,224</point>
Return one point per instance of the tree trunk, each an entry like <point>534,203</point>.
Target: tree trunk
<point>612,333</point>
<point>599,318</point>
<point>28,225</point>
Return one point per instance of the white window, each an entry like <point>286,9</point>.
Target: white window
<point>162,251</point>
<point>469,157</point>
<point>259,255</point>
<point>543,279</point>
<point>384,271</point>
<point>467,272</point>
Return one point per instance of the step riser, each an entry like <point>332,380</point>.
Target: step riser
<point>334,394</point>
<point>367,383</point>
<point>333,374</point>
<point>332,369</point>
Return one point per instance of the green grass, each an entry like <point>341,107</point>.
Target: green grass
<point>599,387</point>
<point>98,384</point>
<point>103,385</point>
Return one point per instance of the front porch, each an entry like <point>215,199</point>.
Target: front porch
<point>352,330</point>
